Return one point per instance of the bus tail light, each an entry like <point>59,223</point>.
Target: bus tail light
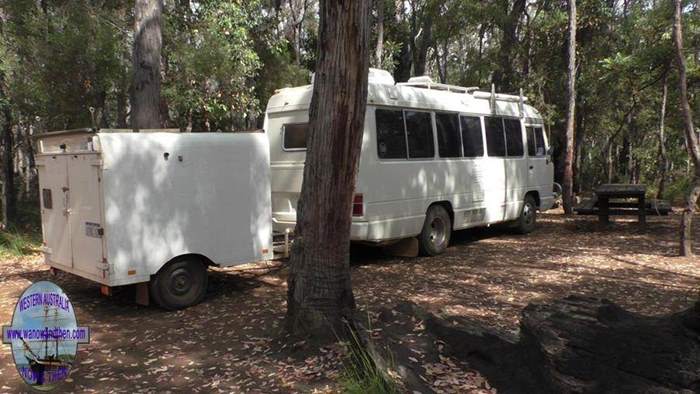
<point>358,208</point>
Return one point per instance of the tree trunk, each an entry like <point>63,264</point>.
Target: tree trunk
<point>380,33</point>
<point>503,78</point>
<point>663,156</point>
<point>578,149</point>
<point>9,197</point>
<point>421,40</point>
<point>320,294</point>
<point>145,100</point>
<point>568,186</point>
<point>691,139</point>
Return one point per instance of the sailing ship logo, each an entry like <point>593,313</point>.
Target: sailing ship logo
<point>44,335</point>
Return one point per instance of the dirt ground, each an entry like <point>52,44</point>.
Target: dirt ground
<point>230,342</point>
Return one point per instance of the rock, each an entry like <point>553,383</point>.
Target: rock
<point>580,345</point>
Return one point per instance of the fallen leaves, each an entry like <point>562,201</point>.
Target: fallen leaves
<point>229,342</point>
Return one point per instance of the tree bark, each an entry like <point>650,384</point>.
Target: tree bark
<point>568,186</point>
<point>379,51</point>
<point>421,40</point>
<point>663,156</point>
<point>691,139</point>
<point>320,294</point>
<point>9,197</point>
<point>504,75</point>
<point>145,100</point>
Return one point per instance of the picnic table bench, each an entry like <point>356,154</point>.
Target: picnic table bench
<point>609,191</point>
<point>614,199</point>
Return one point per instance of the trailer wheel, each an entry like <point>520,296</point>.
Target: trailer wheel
<point>437,229</point>
<point>180,283</point>
<point>528,216</point>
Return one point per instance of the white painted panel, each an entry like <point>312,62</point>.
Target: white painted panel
<point>53,175</point>
<point>85,217</point>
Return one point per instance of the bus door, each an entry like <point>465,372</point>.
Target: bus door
<point>540,168</point>
<point>516,167</point>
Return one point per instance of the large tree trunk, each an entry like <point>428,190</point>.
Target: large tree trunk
<point>691,139</point>
<point>145,100</point>
<point>320,294</point>
<point>663,156</point>
<point>568,186</point>
<point>9,198</point>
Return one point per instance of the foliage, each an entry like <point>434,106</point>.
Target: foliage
<point>211,63</point>
<point>15,243</point>
<point>222,60</point>
<point>361,374</point>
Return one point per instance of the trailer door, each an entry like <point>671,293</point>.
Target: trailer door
<point>53,182</point>
<point>85,217</point>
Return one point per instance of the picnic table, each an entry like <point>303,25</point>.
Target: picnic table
<point>609,191</point>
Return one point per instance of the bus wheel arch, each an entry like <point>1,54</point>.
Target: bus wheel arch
<point>181,282</point>
<point>536,195</point>
<point>437,229</point>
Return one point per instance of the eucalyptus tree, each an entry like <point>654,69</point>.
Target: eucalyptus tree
<point>320,298</point>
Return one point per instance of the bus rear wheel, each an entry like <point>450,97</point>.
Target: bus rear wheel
<point>180,283</point>
<point>437,229</point>
<point>528,216</point>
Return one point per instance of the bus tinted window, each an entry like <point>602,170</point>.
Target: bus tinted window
<point>471,136</point>
<point>419,130</point>
<point>391,137</point>
<point>514,137</point>
<point>495,137</point>
<point>449,141</point>
<point>539,138</point>
<point>295,135</point>
<point>530,131</point>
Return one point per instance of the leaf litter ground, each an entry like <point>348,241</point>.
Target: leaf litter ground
<point>233,341</point>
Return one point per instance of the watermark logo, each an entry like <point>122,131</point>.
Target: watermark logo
<point>44,335</point>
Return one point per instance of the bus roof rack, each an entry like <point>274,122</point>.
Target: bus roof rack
<point>499,96</point>
<point>425,82</point>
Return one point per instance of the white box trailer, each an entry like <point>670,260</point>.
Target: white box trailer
<point>123,208</point>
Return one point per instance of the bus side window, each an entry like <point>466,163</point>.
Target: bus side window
<point>514,138</point>
<point>391,136</point>
<point>472,141</point>
<point>449,142</point>
<point>530,131</point>
<point>539,138</point>
<point>495,137</point>
<point>419,131</point>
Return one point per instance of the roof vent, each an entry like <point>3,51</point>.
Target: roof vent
<point>381,77</point>
<point>425,79</point>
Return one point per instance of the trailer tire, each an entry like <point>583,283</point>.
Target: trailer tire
<point>436,233</point>
<point>528,216</point>
<point>180,284</point>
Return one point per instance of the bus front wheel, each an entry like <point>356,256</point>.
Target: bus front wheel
<point>437,229</point>
<point>528,216</point>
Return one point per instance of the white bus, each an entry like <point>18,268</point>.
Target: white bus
<point>435,158</point>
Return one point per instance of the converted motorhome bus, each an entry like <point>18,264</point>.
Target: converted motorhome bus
<point>435,158</point>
